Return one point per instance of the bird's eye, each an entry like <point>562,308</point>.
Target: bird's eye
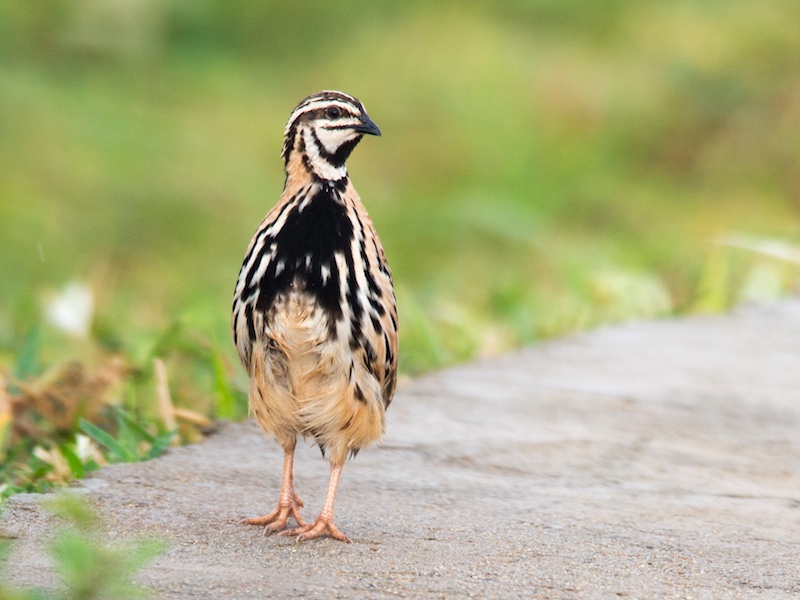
<point>333,112</point>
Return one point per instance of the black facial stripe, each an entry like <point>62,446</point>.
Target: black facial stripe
<point>339,157</point>
<point>322,151</point>
<point>338,127</point>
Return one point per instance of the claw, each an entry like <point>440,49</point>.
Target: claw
<point>276,520</point>
<point>322,526</point>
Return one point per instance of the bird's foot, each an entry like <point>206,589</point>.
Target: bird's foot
<point>276,520</point>
<point>322,526</point>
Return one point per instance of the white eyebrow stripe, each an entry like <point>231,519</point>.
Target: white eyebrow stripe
<point>350,109</point>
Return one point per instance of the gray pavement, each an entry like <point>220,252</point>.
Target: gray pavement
<point>650,460</point>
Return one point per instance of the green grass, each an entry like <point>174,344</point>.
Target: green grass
<point>545,167</point>
<point>87,566</point>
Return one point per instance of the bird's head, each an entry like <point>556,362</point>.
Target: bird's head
<point>322,132</point>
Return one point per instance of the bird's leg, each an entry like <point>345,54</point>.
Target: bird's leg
<point>289,504</point>
<point>324,523</point>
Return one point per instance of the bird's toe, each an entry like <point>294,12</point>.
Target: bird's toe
<point>321,527</point>
<point>276,520</point>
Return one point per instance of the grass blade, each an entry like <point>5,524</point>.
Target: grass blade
<point>226,407</point>
<point>73,461</point>
<point>160,444</point>
<point>106,439</point>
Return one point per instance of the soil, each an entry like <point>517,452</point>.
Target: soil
<point>650,460</point>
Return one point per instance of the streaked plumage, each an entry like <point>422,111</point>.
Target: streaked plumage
<point>314,312</point>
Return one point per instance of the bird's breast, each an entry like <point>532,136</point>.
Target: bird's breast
<point>304,255</point>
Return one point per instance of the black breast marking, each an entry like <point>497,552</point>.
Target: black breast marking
<point>304,252</point>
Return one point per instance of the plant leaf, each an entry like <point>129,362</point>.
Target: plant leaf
<point>159,445</point>
<point>106,439</point>
<point>27,363</point>
<point>135,428</point>
<point>75,465</point>
<point>226,401</point>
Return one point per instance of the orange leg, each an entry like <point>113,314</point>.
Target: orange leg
<point>289,504</point>
<point>324,523</point>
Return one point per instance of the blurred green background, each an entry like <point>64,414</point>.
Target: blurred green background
<point>545,166</point>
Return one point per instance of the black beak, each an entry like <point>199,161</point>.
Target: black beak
<point>367,126</point>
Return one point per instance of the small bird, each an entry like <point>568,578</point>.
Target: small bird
<point>314,311</point>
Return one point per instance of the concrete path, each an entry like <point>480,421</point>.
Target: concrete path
<point>651,460</point>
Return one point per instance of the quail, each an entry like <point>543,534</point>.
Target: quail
<point>314,311</point>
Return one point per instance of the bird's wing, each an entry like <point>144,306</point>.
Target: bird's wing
<point>246,320</point>
<point>378,349</point>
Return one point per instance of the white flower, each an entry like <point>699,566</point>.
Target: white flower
<point>71,310</point>
<point>84,448</point>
